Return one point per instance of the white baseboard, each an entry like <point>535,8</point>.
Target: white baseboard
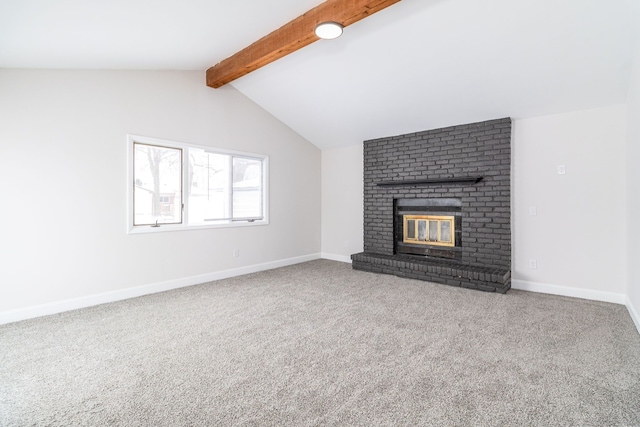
<point>334,257</point>
<point>106,297</point>
<point>97,299</point>
<point>566,291</point>
<point>634,314</point>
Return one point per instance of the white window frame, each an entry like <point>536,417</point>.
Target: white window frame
<point>137,229</point>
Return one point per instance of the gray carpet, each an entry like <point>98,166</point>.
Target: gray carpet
<point>318,344</point>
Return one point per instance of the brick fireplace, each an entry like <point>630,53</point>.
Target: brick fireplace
<point>437,206</point>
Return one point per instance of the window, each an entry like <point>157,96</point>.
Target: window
<point>157,182</point>
<point>224,187</point>
<point>177,186</point>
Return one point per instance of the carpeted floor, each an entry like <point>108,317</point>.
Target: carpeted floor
<point>319,344</point>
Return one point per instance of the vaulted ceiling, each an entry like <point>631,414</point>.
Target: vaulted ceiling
<point>419,64</point>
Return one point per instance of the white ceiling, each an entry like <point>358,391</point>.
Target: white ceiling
<point>419,64</point>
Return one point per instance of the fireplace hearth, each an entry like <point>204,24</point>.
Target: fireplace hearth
<point>437,206</point>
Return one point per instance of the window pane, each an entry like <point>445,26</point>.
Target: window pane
<point>433,231</point>
<point>411,229</point>
<point>209,189</point>
<point>157,175</point>
<point>247,188</point>
<point>422,230</point>
<point>445,231</point>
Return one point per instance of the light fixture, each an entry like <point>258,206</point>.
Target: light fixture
<point>328,30</point>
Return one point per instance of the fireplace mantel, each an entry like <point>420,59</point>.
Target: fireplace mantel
<point>432,181</point>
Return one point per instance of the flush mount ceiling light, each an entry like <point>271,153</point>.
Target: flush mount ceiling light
<point>329,30</point>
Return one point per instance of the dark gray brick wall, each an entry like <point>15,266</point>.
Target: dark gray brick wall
<point>476,149</point>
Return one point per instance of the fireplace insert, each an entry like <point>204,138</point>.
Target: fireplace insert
<point>428,227</point>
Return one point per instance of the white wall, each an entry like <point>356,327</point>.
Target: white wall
<point>63,177</point>
<point>578,235</point>
<point>342,202</point>
<point>633,189</point>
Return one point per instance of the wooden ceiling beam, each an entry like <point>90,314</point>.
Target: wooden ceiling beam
<point>290,37</point>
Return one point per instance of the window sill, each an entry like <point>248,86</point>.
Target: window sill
<point>143,229</point>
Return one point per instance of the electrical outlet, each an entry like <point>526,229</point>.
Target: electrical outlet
<point>562,170</point>
<point>533,264</point>
<point>533,211</point>
<point>236,253</point>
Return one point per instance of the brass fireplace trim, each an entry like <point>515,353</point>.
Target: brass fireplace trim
<point>433,232</point>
